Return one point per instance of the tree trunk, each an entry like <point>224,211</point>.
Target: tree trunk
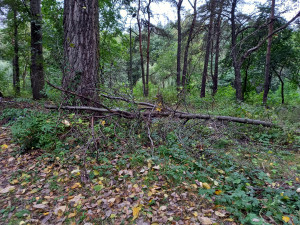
<point>141,48</point>
<point>178,77</point>
<point>207,49</point>
<point>217,49</point>
<point>234,53</point>
<point>246,77</point>
<point>130,80</point>
<point>281,82</point>
<point>16,66</point>
<point>268,56</point>
<point>36,68</point>
<point>148,49</point>
<point>186,51</point>
<point>81,48</point>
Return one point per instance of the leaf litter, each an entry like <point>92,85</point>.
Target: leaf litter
<point>37,189</point>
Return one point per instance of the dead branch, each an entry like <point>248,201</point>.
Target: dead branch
<point>174,114</point>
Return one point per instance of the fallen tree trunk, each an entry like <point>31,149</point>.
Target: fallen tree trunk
<point>174,114</point>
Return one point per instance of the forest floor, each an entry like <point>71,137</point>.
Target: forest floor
<point>203,172</point>
<point>35,189</point>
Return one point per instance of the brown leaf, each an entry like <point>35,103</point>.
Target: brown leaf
<point>205,221</point>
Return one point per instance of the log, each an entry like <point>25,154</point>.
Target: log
<point>175,114</point>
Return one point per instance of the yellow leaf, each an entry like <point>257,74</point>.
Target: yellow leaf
<point>206,185</point>
<point>112,216</point>
<point>102,122</point>
<point>72,215</point>
<point>35,190</point>
<point>4,146</point>
<point>218,192</point>
<point>55,173</point>
<point>286,219</point>
<point>158,109</point>
<point>136,212</point>
<point>96,173</point>
<point>135,186</point>
<point>15,181</point>
<point>46,213</point>
<point>195,214</point>
<point>297,179</point>
<point>76,185</point>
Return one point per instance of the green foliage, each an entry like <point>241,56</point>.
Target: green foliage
<point>5,74</point>
<point>33,129</point>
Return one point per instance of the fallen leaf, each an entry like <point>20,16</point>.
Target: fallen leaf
<point>218,192</point>
<point>98,187</point>
<point>60,210</point>
<point>156,167</point>
<point>136,212</point>
<point>66,122</point>
<point>162,208</point>
<point>15,181</point>
<point>205,221</point>
<point>7,189</point>
<point>77,171</point>
<point>206,185</point>
<point>35,190</point>
<point>76,185</point>
<point>286,219</point>
<point>298,190</point>
<point>195,214</point>
<point>39,206</point>
<point>72,215</point>
<point>5,146</point>
<point>220,214</point>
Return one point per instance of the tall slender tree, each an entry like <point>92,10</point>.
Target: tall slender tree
<point>178,74</point>
<point>81,48</point>
<point>186,51</point>
<point>141,48</point>
<point>217,35</point>
<point>268,76</point>
<point>16,66</point>
<point>36,67</point>
<point>207,48</point>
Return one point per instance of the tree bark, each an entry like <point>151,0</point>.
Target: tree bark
<point>217,48</point>
<point>246,77</point>
<point>186,51</point>
<point>281,82</point>
<point>178,74</point>
<point>148,49</point>
<point>207,49</point>
<point>234,53</point>
<point>36,68</point>
<point>268,56</point>
<point>81,49</point>
<point>141,48</point>
<point>16,66</point>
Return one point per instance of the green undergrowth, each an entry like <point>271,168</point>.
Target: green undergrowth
<point>253,172</point>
